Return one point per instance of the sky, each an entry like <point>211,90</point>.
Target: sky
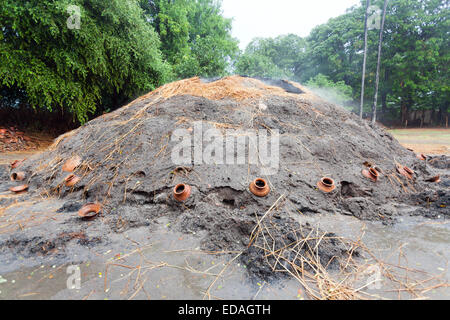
<point>269,18</point>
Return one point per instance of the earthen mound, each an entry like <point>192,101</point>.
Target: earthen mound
<point>125,161</point>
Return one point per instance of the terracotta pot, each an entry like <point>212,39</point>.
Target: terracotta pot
<point>71,164</point>
<point>435,179</point>
<point>326,184</point>
<point>405,171</point>
<point>372,174</point>
<point>18,176</point>
<point>380,171</point>
<point>71,180</point>
<point>181,192</point>
<point>422,157</point>
<point>19,189</point>
<point>259,187</point>
<point>89,210</point>
<point>409,172</point>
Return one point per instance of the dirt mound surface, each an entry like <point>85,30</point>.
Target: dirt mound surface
<point>124,160</point>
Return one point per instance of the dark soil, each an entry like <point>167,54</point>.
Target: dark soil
<point>127,166</point>
<point>439,162</point>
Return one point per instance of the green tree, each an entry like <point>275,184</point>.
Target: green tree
<point>196,38</point>
<point>417,56</point>
<point>258,65</point>
<point>212,45</point>
<point>112,57</point>
<point>169,19</point>
<point>413,68</point>
<point>282,57</point>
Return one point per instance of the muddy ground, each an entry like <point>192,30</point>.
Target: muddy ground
<point>127,166</point>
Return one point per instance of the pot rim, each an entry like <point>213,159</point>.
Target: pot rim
<point>91,207</point>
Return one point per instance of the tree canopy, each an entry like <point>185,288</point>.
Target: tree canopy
<point>282,56</point>
<point>196,39</point>
<point>125,48</point>
<point>113,55</point>
<point>120,50</point>
<point>414,62</point>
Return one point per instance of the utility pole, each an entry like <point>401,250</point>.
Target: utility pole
<point>374,107</point>
<point>364,61</point>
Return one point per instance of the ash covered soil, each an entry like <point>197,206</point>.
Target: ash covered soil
<point>127,166</point>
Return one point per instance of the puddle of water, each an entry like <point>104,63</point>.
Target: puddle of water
<point>42,282</point>
<point>172,266</point>
<point>415,243</point>
<point>163,264</point>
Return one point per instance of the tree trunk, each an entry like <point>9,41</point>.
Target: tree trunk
<point>364,60</point>
<point>384,93</point>
<point>405,114</point>
<point>377,79</point>
<point>442,116</point>
<point>384,102</point>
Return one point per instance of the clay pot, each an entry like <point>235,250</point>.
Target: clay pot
<point>181,192</point>
<point>18,176</point>
<point>71,180</point>
<point>372,174</point>
<point>259,187</point>
<point>89,210</point>
<point>19,189</point>
<point>71,164</point>
<point>435,179</point>
<point>380,171</point>
<point>405,171</point>
<point>422,157</point>
<point>409,172</point>
<point>326,184</point>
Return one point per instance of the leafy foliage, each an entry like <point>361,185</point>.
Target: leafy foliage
<point>258,65</point>
<point>281,57</point>
<point>414,62</point>
<point>196,38</point>
<point>125,48</point>
<point>114,54</point>
<point>122,49</point>
<point>210,40</point>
